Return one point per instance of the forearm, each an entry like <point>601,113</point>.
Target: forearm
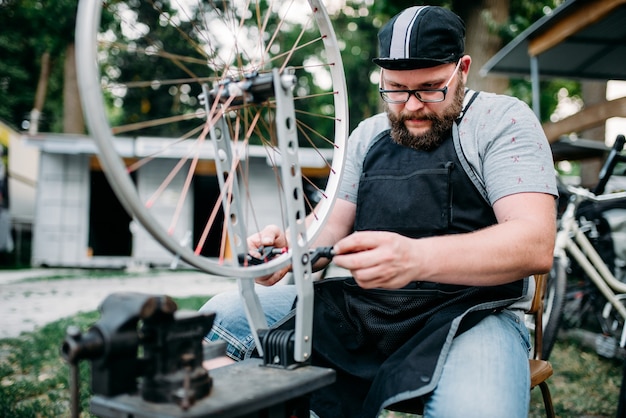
<point>495,255</point>
<point>520,244</point>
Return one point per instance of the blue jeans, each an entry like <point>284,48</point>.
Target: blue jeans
<point>231,324</point>
<point>485,374</point>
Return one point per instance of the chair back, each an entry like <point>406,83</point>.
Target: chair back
<point>536,310</point>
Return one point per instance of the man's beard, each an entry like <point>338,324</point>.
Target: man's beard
<point>440,124</point>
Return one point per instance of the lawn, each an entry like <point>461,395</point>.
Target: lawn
<point>34,378</point>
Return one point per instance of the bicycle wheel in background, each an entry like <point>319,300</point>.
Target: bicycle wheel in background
<point>554,301</point>
<point>142,68</point>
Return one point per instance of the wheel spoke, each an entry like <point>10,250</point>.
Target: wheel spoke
<point>154,61</point>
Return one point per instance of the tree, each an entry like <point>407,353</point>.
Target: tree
<point>482,41</point>
<point>16,67</point>
<point>34,30</point>
<point>34,39</point>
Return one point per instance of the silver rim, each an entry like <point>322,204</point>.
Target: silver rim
<point>206,35</point>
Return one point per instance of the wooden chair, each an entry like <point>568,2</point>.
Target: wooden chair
<point>540,370</point>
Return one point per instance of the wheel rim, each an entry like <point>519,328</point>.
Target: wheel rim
<point>226,39</point>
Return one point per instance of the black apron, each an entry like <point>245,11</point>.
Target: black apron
<point>386,345</point>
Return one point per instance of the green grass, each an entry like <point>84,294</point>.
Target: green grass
<point>583,385</point>
<point>34,378</point>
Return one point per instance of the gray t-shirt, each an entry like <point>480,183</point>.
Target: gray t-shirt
<point>500,136</point>
<point>503,144</point>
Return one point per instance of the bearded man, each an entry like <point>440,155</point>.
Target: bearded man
<point>447,206</point>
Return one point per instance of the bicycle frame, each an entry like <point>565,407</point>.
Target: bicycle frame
<point>572,241</point>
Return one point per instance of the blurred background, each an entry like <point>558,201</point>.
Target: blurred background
<point>40,112</point>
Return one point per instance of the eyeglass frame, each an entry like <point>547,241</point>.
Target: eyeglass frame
<point>415,92</point>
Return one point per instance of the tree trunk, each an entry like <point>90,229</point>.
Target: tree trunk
<point>40,95</point>
<point>73,121</point>
<point>481,43</point>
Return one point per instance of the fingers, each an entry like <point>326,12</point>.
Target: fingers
<point>358,254</point>
<point>360,241</point>
<point>355,251</point>
<point>271,235</point>
<point>375,259</point>
<point>272,278</point>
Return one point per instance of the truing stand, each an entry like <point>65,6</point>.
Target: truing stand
<point>256,88</point>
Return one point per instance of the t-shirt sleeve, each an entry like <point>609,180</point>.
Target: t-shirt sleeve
<point>514,155</point>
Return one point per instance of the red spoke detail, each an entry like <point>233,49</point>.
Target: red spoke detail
<point>143,161</point>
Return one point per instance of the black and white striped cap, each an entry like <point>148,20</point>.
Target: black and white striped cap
<point>421,37</point>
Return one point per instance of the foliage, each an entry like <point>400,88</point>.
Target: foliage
<point>16,69</point>
<point>156,68</point>
<point>548,93</point>
<point>523,14</point>
<point>34,26</point>
<point>123,64</point>
<point>30,28</point>
<point>356,27</point>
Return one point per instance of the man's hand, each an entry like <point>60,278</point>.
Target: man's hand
<point>270,236</point>
<point>377,259</point>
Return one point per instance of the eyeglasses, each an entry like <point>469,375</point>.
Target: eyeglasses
<point>423,95</point>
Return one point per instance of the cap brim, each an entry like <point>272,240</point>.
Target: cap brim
<point>409,64</point>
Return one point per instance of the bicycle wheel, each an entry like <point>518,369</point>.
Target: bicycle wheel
<point>159,79</point>
<point>553,305</point>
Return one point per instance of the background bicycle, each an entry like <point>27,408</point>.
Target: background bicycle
<point>587,286</point>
